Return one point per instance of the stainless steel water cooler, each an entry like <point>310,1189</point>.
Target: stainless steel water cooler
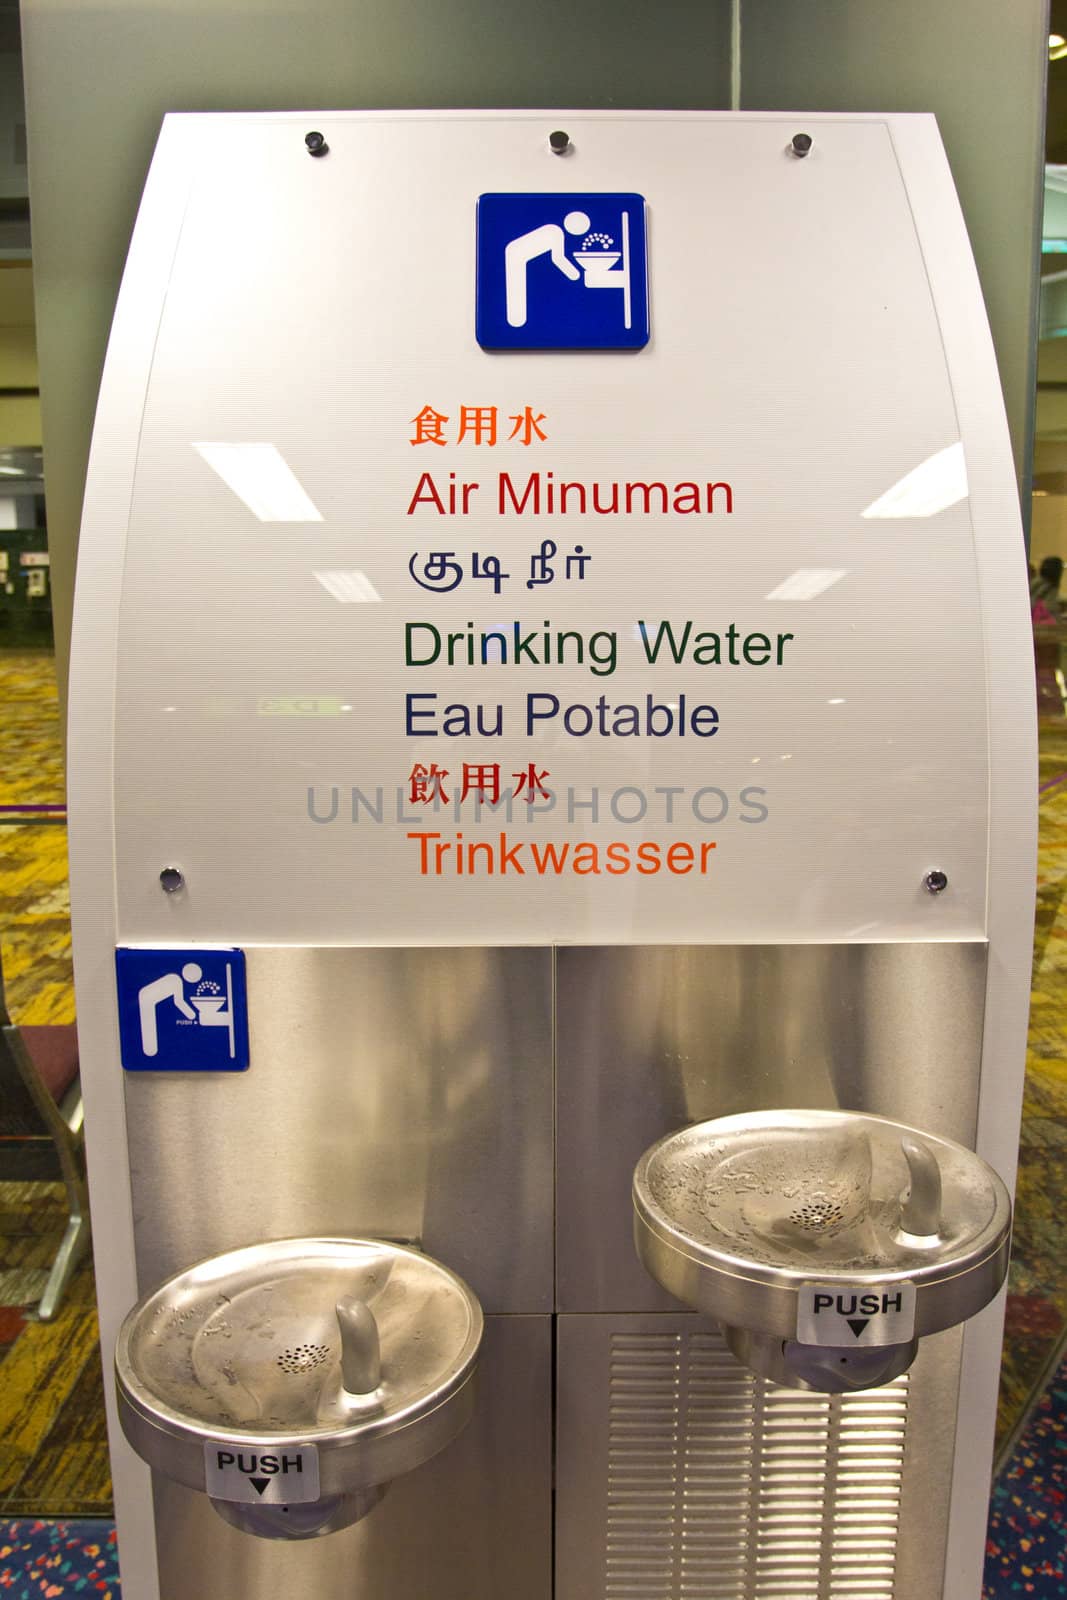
<point>551,770</point>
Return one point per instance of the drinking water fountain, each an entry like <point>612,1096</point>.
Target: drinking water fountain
<point>490,918</point>
<point>292,1381</point>
<point>826,1243</point>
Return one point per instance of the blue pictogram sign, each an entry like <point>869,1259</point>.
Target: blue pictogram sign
<point>562,272</point>
<point>182,1010</point>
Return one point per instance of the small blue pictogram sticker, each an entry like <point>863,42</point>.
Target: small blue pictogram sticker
<point>182,1010</point>
<point>562,272</point>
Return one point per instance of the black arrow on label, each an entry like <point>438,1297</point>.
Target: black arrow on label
<point>857,1324</point>
<point>259,1484</point>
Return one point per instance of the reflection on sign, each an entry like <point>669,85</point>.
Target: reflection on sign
<point>933,486</point>
<point>301,705</point>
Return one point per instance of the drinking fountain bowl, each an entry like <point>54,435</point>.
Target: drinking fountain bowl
<point>826,1243</point>
<point>209,1005</point>
<point>291,1381</point>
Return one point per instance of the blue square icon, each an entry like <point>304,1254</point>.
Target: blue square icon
<point>182,1010</point>
<point>562,272</point>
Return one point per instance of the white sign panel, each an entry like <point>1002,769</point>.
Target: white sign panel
<point>427,642</point>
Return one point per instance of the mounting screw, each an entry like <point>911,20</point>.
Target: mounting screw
<point>935,881</point>
<point>171,879</point>
<point>316,144</point>
<point>801,144</point>
<point>560,142</point>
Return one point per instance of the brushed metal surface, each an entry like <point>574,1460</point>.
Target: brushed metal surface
<point>682,1476</point>
<point>653,1038</point>
<point>395,1094</point>
<point>473,1524</point>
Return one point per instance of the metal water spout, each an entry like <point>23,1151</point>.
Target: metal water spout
<point>920,1214</point>
<point>361,1349</point>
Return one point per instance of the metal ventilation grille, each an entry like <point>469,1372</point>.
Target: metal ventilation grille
<point>722,1486</point>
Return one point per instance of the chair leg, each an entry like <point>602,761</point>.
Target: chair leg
<point>74,1245</point>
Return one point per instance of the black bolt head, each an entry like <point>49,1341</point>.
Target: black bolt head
<point>559,141</point>
<point>935,882</point>
<point>802,143</point>
<point>316,144</point>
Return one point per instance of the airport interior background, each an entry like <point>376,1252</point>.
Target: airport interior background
<point>56,1536</point>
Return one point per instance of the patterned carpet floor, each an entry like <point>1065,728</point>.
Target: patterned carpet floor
<point>1026,1550</point>
<point>34,900</point>
<point>43,1560</point>
<point>53,1442</point>
<point>1037,1284</point>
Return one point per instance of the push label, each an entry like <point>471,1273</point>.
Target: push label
<point>846,1315</point>
<point>250,1476</point>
